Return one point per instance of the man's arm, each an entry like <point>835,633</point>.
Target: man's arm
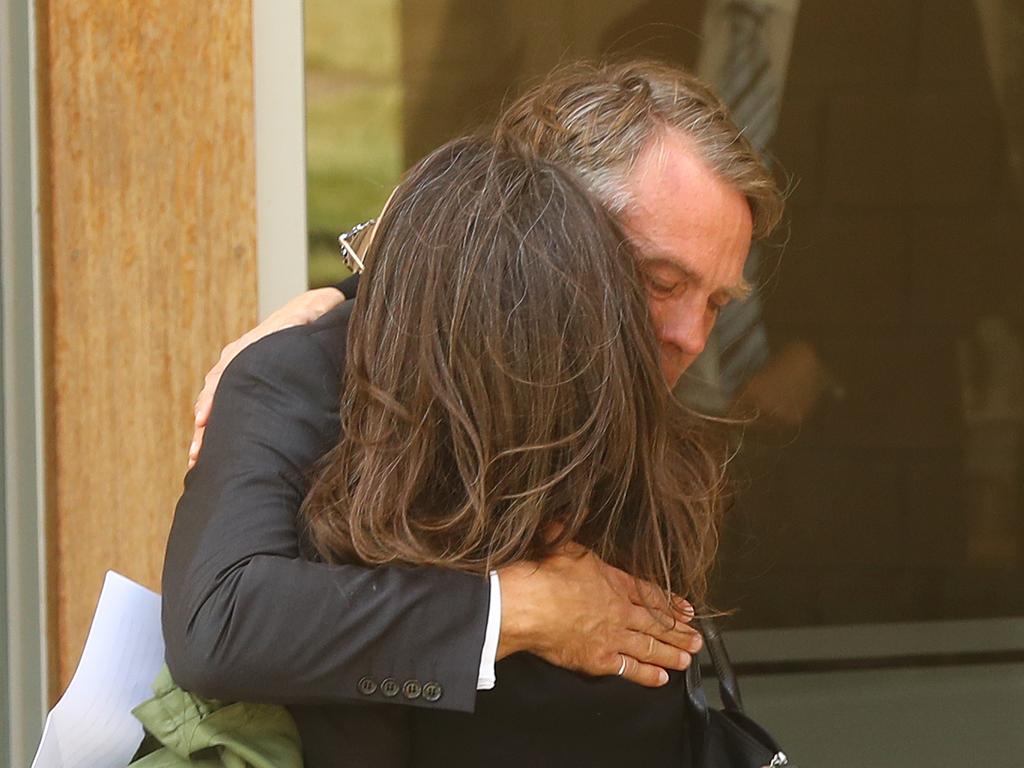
<point>245,617</point>
<point>302,310</point>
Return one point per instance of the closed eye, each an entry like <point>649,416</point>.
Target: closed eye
<point>663,288</point>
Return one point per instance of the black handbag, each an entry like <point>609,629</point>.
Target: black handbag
<point>725,738</point>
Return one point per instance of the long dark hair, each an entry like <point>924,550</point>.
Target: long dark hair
<point>502,392</point>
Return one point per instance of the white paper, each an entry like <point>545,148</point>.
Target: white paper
<point>92,725</point>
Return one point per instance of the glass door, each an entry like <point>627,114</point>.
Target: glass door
<point>877,523</point>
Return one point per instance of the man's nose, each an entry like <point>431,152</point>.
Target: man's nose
<point>687,330</point>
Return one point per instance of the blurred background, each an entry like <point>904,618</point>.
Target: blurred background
<point>884,484</point>
<point>170,173</point>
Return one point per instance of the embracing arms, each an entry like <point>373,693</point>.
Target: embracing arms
<point>246,617</point>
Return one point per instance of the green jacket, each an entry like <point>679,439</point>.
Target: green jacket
<point>203,733</point>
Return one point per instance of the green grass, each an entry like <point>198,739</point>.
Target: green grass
<point>353,155</point>
<point>353,120</point>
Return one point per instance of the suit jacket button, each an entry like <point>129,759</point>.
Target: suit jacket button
<point>412,689</point>
<point>367,686</point>
<point>432,691</point>
<point>389,687</point>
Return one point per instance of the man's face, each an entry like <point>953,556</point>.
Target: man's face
<point>693,233</point>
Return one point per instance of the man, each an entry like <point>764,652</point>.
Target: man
<point>246,618</point>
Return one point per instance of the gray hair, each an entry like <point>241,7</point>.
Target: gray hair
<point>597,118</point>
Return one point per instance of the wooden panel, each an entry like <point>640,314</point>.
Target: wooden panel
<point>149,186</point>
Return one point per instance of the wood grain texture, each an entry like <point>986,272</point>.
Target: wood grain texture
<point>150,237</point>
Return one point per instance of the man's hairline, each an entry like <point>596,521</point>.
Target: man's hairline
<point>737,292</point>
<point>658,135</point>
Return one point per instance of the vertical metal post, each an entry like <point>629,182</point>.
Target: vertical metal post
<point>23,672</point>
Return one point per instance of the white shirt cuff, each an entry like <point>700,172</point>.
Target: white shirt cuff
<point>485,680</point>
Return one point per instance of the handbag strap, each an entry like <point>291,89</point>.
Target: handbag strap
<point>728,685</point>
<point>699,712</point>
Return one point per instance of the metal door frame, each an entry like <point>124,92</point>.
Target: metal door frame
<point>23,666</point>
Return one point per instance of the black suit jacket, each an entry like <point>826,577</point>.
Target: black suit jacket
<point>247,618</point>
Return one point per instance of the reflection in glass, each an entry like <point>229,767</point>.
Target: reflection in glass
<point>881,478</point>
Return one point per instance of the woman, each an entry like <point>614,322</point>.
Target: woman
<point>502,397</point>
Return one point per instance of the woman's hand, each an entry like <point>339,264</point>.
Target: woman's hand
<point>577,612</point>
<point>303,309</point>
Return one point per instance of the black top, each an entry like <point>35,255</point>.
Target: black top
<point>540,715</point>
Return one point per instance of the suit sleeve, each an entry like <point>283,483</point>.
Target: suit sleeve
<point>245,617</point>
